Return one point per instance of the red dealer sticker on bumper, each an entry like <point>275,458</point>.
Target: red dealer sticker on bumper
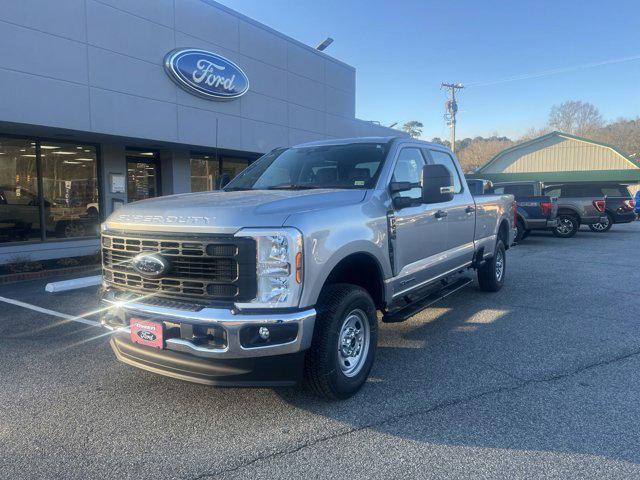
<point>147,333</point>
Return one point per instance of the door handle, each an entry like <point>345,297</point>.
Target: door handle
<point>441,214</point>
<point>470,209</point>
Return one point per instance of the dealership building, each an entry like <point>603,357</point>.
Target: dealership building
<point>111,101</point>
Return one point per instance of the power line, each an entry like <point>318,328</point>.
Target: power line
<point>451,106</point>
<point>555,71</point>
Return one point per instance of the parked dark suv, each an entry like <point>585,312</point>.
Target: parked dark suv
<point>596,204</point>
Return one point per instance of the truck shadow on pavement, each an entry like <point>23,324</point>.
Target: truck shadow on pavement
<point>547,364</point>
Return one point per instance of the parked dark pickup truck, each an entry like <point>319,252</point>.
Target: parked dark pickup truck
<point>535,211</point>
<point>598,205</point>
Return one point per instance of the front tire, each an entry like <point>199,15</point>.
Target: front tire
<point>568,226</point>
<point>491,274</point>
<point>602,226</point>
<point>344,342</point>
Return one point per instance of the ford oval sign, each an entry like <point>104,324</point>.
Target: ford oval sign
<point>206,74</point>
<point>150,265</point>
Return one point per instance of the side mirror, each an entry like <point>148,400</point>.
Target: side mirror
<point>437,184</point>
<point>396,187</point>
<point>404,202</point>
<point>222,181</point>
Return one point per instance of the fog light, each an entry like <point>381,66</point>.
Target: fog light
<point>264,333</point>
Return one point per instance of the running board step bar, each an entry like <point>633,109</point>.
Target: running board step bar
<point>417,306</point>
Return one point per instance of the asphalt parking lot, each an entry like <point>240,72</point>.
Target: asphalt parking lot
<point>539,380</point>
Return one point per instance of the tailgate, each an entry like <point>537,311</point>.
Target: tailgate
<point>533,206</point>
<point>617,203</point>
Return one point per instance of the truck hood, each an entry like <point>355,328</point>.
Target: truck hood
<point>226,212</point>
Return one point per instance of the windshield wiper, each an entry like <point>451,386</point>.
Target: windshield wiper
<point>235,189</point>
<point>291,186</point>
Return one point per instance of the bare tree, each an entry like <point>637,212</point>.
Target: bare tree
<point>577,117</point>
<point>480,150</point>
<point>413,128</point>
<point>623,134</point>
<point>532,133</point>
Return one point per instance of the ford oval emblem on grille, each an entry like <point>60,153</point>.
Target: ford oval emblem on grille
<point>148,336</point>
<point>150,265</point>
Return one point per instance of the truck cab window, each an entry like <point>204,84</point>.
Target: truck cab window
<point>552,191</point>
<point>409,169</point>
<point>445,159</point>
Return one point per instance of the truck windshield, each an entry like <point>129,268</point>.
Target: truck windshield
<point>354,165</point>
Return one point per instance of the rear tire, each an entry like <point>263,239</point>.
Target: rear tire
<point>520,231</point>
<point>344,342</point>
<point>568,226</point>
<point>491,274</point>
<point>526,234</point>
<point>603,226</point>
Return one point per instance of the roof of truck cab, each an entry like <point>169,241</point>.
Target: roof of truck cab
<point>347,141</point>
<point>517,182</point>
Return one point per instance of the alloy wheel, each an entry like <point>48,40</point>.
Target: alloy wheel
<point>601,226</point>
<point>72,230</point>
<point>565,226</point>
<point>499,265</point>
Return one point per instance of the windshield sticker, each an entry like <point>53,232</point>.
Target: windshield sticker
<point>359,182</point>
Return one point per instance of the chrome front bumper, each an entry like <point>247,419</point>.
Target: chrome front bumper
<point>115,315</point>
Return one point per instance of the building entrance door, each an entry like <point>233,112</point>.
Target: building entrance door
<point>143,175</point>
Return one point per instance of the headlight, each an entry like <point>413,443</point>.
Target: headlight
<point>279,267</point>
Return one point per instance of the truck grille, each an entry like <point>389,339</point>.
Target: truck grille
<point>219,268</point>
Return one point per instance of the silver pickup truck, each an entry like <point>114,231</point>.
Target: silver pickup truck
<point>279,277</point>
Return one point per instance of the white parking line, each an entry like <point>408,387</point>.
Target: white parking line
<point>46,311</point>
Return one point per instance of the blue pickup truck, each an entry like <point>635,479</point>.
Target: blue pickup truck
<point>535,211</point>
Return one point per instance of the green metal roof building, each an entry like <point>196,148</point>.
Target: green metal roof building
<point>559,157</point>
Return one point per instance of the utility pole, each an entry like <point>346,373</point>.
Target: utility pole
<point>451,107</point>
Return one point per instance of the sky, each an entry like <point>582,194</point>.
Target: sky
<point>402,50</point>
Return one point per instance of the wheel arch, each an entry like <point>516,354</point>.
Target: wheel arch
<point>569,211</point>
<point>361,269</point>
<point>503,232</point>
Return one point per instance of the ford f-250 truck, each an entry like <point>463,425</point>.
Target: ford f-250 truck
<point>279,277</point>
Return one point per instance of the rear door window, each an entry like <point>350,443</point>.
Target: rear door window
<point>581,191</point>
<point>615,191</point>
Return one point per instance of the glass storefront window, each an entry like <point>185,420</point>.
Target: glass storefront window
<point>19,210</point>
<point>206,170</point>
<point>65,194</point>
<point>70,190</point>
<point>233,166</point>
